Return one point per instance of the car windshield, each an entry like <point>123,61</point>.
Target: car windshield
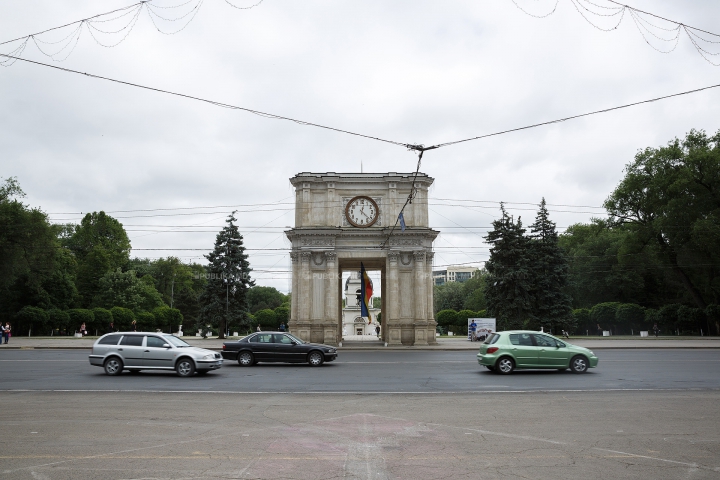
<point>295,338</point>
<point>172,339</point>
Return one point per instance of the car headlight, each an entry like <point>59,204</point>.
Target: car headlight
<point>209,356</point>
<point>330,350</point>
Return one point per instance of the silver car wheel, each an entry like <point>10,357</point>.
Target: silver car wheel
<point>315,359</point>
<point>245,359</point>
<point>505,365</point>
<point>579,364</point>
<point>185,367</point>
<point>113,366</point>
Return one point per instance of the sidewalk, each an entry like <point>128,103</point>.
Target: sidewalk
<point>444,344</point>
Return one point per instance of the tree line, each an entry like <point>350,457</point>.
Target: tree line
<point>655,259</point>
<point>54,278</point>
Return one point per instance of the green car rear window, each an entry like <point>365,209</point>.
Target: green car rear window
<point>492,338</point>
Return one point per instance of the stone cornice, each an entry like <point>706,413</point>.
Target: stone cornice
<point>340,179</point>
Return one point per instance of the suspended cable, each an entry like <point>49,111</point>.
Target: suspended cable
<point>415,147</point>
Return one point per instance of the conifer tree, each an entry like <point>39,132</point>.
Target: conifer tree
<point>508,285</point>
<point>224,299</point>
<point>552,307</point>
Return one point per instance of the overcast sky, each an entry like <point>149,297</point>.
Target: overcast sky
<point>409,71</point>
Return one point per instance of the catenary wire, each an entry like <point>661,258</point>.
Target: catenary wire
<point>416,147</point>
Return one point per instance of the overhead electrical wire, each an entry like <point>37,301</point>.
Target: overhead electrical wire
<point>650,31</point>
<point>410,146</point>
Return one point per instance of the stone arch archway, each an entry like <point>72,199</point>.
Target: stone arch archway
<point>325,243</point>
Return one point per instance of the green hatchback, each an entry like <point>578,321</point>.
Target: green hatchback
<point>503,352</point>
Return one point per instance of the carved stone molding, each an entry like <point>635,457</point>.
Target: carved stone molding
<point>294,257</point>
<point>318,242</point>
<point>429,256</point>
<point>406,258</point>
<point>318,258</point>
<point>305,257</point>
<point>393,257</point>
<point>419,256</point>
<point>330,257</point>
<point>406,242</point>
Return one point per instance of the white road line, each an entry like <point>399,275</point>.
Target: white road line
<point>363,392</point>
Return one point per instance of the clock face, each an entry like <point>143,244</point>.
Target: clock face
<point>362,211</point>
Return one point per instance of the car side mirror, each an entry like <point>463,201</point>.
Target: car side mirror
<point>166,345</point>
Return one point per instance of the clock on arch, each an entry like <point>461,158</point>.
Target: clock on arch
<point>362,211</point>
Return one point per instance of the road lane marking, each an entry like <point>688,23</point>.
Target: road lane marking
<point>363,392</point>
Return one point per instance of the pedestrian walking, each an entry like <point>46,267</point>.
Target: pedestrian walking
<point>6,332</point>
<point>282,326</point>
<point>258,328</point>
<point>83,329</point>
<point>473,331</point>
<point>600,330</point>
<point>111,328</point>
<point>133,325</point>
<point>377,330</point>
<point>656,330</point>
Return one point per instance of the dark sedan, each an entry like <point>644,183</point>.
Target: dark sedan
<point>277,347</point>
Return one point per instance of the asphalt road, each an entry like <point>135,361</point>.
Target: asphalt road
<point>641,414</point>
<point>372,372</point>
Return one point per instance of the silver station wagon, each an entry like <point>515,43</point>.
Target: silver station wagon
<point>135,351</point>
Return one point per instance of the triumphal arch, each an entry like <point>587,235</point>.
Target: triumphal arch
<point>345,219</point>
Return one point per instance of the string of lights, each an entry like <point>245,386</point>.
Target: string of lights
<point>120,23</point>
<point>608,18</point>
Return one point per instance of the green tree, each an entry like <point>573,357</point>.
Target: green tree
<point>608,264</point>
<point>670,200</point>
<point>508,286</point>
<point>582,320</point>
<point>31,320</point>
<point>260,298</point>
<point>474,292</point>
<point>282,314</point>
<point>124,289</point>
<point>552,307</point>
<point>122,319</point>
<point>266,319</point>
<point>102,319</point>
<point>78,316</point>
<point>145,322</point>
<point>100,245</point>
<point>450,296</point>
<point>630,317</point>
<point>224,299</point>
<point>29,253</point>
<point>168,318</point>
<point>603,316</point>
<point>446,318</point>
<point>58,320</point>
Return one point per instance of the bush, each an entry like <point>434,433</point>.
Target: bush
<point>446,318</point>
<point>712,317</point>
<point>78,316</point>
<point>145,322</point>
<point>266,319</point>
<point>668,317</point>
<point>690,319</point>
<point>603,315</point>
<point>582,319</point>
<point>167,318</point>
<point>282,314</point>
<point>31,319</point>
<point>630,317</point>
<point>59,320</point>
<point>102,321</point>
<point>122,319</point>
